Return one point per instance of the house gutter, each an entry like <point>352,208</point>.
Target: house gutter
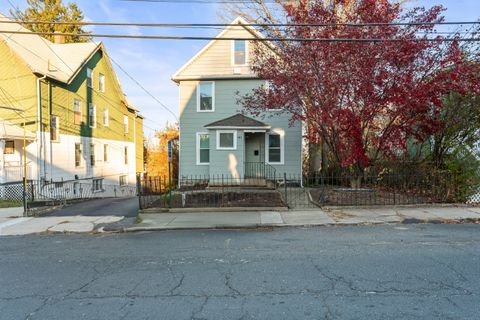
<point>39,121</point>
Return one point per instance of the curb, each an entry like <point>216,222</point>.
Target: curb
<point>257,226</point>
<point>213,209</point>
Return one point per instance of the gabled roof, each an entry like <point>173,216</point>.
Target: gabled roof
<point>238,21</point>
<point>61,62</point>
<point>238,121</point>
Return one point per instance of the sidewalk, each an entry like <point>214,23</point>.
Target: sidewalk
<point>12,223</point>
<point>325,217</point>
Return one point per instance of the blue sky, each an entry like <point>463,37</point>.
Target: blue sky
<point>152,62</point>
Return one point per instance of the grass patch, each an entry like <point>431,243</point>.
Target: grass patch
<point>10,204</point>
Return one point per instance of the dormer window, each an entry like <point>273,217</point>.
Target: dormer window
<point>239,52</point>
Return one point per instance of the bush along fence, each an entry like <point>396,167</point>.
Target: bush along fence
<point>336,188</point>
<point>39,192</point>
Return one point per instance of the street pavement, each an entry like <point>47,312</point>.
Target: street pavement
<point>419,271</point>
<point>78,217</point>
<point>124,207</point>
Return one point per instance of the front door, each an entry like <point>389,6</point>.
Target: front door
<point>254,154</point>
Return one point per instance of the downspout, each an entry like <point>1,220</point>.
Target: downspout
<point>135,142</point>
<point>39,127</point>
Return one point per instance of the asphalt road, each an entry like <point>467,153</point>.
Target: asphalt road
<point>127,207</point>
<point>382,272</point>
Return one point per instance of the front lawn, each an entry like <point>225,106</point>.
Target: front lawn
<point>10,204</point>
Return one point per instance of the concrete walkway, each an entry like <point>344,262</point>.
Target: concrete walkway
<point>330,216</point>
<point>14,225</point>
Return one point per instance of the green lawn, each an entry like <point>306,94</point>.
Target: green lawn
<point>9,204</point>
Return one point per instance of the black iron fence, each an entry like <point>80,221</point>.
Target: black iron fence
<point>208,191</point>
<point>376,187</point>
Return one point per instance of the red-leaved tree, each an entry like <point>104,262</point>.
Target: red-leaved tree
<point>362,99</point>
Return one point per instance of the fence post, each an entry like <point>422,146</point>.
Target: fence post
<point>285,184</point>
<point>223,185</point>
<point>139,191</point>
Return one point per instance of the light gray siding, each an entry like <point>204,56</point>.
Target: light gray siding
<point>192,122</point>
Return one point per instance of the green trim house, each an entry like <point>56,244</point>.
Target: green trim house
<point>80,126</point>
<point>216,137</point>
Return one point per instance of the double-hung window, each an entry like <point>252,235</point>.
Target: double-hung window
<point>203,148</point>
<point>123,180</point>
<point>9,147</point>
<point>97,185</point>
<point>78,154</point>
<point>101,82</point>
<point>54,128</point>
<point>92,115</point>
<point>239,52</point>
<point>275,148</point>
<point>77,111</point>
<point>105,117</point>
<point>125,124</point>
<point>89,78</point>
<point>105,152</point>
<point>206,97</point>
<point>92,155</point>
<point>226,140</point>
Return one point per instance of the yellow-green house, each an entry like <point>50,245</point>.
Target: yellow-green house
<point>79,125</point>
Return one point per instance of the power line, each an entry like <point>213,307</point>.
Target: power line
<point>172,25</point>
<point>269,39</point>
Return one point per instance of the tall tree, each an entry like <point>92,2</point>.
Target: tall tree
<point>55,11</point>
<point>363,99</point>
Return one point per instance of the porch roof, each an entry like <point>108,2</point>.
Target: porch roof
<point>10,131</point>
<point>238,121</point>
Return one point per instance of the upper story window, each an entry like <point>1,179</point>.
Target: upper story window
<point>89,78</point>
<point>239,52</point>
<point>206,97</point>
<point>77,111</point>
<point>105,117</point>
<point>54,128</point>
<point>101,82</point>
<point>125,124</point>
<point>92,116</point>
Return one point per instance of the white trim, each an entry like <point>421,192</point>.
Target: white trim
<point>234,132</point>
<point>238,20</point>
<point>232,54</point>
<point>213,96</point>
<point>281,133</point>
<point>197,149</point>
<point>255,131</point>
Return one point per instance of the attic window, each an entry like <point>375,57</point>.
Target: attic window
<point>89,78</point>
<point>239,52</point>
